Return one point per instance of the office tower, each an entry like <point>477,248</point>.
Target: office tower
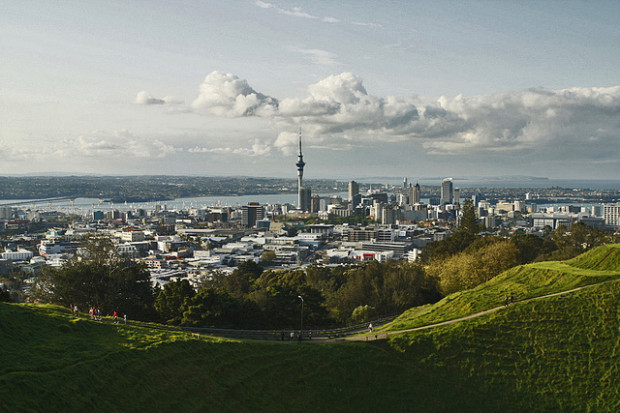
<point>354,189</point>
<point>305,199</point>
<point>414,194</point>
<point>315,203</point>
<point>251,213</point>
<point>447,191</point>
<point>457,196</point>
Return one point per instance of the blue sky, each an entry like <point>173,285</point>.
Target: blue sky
<point>424,88</point>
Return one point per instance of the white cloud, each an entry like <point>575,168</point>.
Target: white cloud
<point>339,113</point>
<point>318,57</point>
<point>295,12</point>
<point>224,94</point>
<point>144,98</point>
<point>257,148</point>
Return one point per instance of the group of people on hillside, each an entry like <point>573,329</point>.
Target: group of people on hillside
<point>95,313</point>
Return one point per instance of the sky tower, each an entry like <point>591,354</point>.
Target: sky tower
<point>300,174</point>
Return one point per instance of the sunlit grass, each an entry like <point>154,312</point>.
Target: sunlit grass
<point>523,282</point>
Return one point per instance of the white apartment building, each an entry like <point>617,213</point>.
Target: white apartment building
<point>611,215</point>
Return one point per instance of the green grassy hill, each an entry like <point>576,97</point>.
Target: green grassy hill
<point>560,353</point>
<point>524,282</point>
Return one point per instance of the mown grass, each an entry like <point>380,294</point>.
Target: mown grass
<point>523,282</point>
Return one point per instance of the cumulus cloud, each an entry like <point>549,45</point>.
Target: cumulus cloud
<point>339,106</point>
<point>340,103</point>
<point>339,113</point>
<point>224,94</point>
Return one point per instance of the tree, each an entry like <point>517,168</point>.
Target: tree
<point>268,257</point>
<point>97,277</point>
<point>212,307</point>
<point>469,222</point>
<point>170,300</point>
<point>364,313</point>
<point>5,295</point>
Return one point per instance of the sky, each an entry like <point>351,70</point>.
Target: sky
<point>391,88</point>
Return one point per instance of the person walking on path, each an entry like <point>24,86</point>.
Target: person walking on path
<point>370,327</point>
<point>115,315</point>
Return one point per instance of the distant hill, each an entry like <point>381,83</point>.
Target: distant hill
<point>553,354</point>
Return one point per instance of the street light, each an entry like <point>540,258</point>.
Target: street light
<point>301,328</point>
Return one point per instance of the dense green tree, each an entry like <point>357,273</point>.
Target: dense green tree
<point>469,222</point>
<point>5,295</point>
<point>97,277</point>
<point>212,307</point>
<point>531,246</point>
<point>364,313</point>
<point>170,300</point>
<point>472,267</point>
<point>268,257</point>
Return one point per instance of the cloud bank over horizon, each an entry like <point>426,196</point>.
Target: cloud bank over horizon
<point>339,113</point>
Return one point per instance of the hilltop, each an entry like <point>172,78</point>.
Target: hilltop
<point>551,354</point>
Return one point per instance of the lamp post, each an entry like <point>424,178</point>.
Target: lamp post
<point>301,328</point>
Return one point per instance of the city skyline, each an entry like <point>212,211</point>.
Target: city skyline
<point>397,89</point>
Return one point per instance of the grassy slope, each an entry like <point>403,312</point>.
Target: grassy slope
<point>526,281</point>
<point>556,354</point>
<point>53,362</point>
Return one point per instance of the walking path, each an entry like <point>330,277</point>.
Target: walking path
<point>383,335</point>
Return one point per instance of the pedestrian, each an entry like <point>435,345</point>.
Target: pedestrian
<point>370,327</point>
<point>115,315</point>
<point>125,318</point>
<point>75,309</point>
<point>512,298</point>
<point>292,336</point>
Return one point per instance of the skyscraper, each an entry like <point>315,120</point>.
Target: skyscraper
<point>354,189</point>
<point>414,194</point>
<point>251,213</point>
<point>300,175</point>
<point>447,191</point>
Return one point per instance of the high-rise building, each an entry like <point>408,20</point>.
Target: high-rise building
<point>414,194</point>
<point>447,191</point>
<point>300,174</point>
<point>457,196</point>
<point>354,189</point>
<point>305,199</point>
<point>611,214</point>
<point>315,203</point>
<point>251,213</point>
